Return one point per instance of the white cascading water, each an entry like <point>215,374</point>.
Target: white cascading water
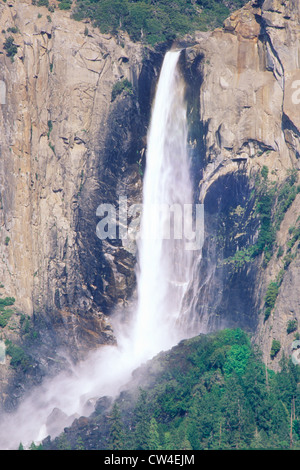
<point>165,263</point>
<point>165,270</point>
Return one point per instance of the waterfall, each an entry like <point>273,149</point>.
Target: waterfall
<point>165,263</point>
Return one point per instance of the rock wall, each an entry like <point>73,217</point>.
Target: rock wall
<point>65,148</point>
<point>248,118</point>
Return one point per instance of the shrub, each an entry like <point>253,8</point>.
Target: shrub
<point>43,3</point>
<point>265,172</point>
<point>275,348</point>
<point>119,87</point>
<point>268,311</point>
<point>271,294</point>
<point>292,326</point>
<point>270,298</point>
<point>288,259</point>
<point>7,301</point>
<point>295,232</point>
<point>5,317</point>
<point>52,147</point>
<point>50,127</point>
<point>17,355</point>
<point>286,196</point>
<point>10,47</point>
<point>13,30</point>
<point>280,252</point>
<point>65,5</point>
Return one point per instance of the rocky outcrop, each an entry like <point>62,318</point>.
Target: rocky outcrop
<point>244,96</point>
<point>248,108</point>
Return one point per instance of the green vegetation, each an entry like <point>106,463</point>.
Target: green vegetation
<point>5,313</point>
<point>7,301</point>
<point>271,204</point>
<point>292,326</point>
<point>10,47</point>
<point>275,348</point>
<point>209,392</point>
<point>265,172</point>
<point>62,5</point>
<point>295,236</point>
<point>120,86</point>
<point>50,127</point>
<point>13,30</point>
<point>284,199</point>
<point>52,147</point>
<point>287,194</point>
<point>28,334</point>
<point>18,356</point>
<point>155,22</point>
<point>27,329</point>
<point>65,4</point>
<point>270,298</point>
<point>116,437</point>
<point>5,316</point>
<point>280,252</point>
<point>33,446</point>
<point>42,3</point>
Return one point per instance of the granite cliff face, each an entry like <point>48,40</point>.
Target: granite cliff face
<point>67,147</point>
<point>249,119</point>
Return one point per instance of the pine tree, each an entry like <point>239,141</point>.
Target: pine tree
<point>257,441</point>
<point>153,435</point>
<point>239,418</point>
<point>168,441</point>
<point>116,437</point>
<point>142,422</point>
<point>182,439</point>
<point>80,444</point>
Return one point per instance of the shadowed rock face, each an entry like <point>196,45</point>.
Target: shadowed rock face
<point>226,297</point>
